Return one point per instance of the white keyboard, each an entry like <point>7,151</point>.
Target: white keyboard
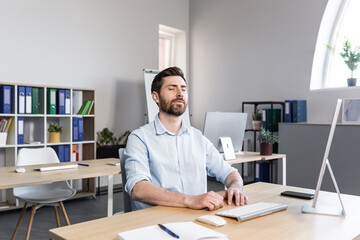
<point>252,210</point>
<point>59,167</point>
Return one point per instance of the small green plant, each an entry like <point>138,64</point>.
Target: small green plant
<point>54,127</point>
<point>256,115</point>
<point>351,56</point>
<point>265,136</point>
<point>106,137</point>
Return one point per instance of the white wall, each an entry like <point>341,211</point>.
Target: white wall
<point>255,50</point>
<point>98,44</point>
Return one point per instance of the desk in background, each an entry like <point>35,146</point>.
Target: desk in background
<point>289,224</point>
<point>97,168</point>
<point>255,156</point>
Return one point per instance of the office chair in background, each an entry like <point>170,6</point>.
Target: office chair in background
<point>41,195</point>
<point>128,202</point>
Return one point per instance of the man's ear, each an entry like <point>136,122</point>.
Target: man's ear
<point>155,97</point>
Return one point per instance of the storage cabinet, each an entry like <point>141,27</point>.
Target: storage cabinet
<point>35,130</point>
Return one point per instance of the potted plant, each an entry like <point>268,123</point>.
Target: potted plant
<point>107,145</point>
<point>351,58</point>
<point>267,139</point>
<point>256,117</point>
<point>54,132</point>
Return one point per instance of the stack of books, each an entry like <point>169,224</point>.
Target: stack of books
<point>86,108</point>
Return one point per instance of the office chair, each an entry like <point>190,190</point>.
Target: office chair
<point>41,195</point>
<point>128,202</point>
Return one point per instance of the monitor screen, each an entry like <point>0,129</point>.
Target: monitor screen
<point>225,124</point>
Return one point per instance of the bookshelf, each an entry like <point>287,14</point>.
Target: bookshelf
<point>264,104</point>
<point>36,135</point>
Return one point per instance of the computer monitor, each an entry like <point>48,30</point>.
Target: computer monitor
<point>314,208</point>
<point>225,124</point>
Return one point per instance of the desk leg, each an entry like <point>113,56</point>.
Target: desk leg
<point>110,195</point>
<point>284,170</point>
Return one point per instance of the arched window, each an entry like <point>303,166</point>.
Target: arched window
<point>340,22</point>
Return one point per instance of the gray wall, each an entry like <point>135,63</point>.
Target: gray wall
<point>252,50</point>
<point>98,44</point>
<point>304,146</point>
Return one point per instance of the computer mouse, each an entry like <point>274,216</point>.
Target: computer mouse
<point>212,220</point>
<point>20,170</point>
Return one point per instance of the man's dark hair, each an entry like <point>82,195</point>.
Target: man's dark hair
<point>158,80</point>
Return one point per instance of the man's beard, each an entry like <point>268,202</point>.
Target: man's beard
<point>173,108</point>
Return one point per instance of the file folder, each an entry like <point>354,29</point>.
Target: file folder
<point>20,130</point>
<point>28,100</point>
<point>90,107</point>
<point>66,153</point>
<point>61,101</point>
<point>288,110</point>
<point>21,105</point>
<point>75,129</point>
<point>67,101</point>
<point>73,154</point>
<point>81,129</point>
<point>35,100</point>
<point>5,99</point>
<point>52,101</point>
<point>299,111</point>
<point>61,153</point>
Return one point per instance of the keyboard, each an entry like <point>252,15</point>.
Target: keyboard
<point>254,210</point>
<point>54,168</point>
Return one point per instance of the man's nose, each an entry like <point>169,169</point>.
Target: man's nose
<point>179,93</point>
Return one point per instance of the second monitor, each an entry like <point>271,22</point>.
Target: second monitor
<point>225,124</point>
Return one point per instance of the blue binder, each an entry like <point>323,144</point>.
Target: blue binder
<point>66,153</point>
<point>81,129</point>
<point>288,110</point>
<point>20,130</point>
<point>61,101</point>
<point>61,153</point>
<point>299,111</point>
<point>5,99</point>
<point>67,101</point>
<point>262,173</point>
<point>21,100</point>
<point>75,129</point>
<point>28,100</point>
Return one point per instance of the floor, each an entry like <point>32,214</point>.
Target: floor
<point>78,210</point>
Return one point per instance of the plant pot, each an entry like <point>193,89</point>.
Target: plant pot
<point>351,82</point>
<point>54,137</point>
<point>266,149</point>
<point>256,125</point>
<point>108,151</point>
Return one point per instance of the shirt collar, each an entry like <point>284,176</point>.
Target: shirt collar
<point>160,129</point>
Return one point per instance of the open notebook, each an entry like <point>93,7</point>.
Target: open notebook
<point>185,230</point>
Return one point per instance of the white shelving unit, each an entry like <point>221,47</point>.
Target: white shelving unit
<point>35,130</point>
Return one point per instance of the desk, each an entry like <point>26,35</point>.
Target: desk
<point>97,168</point>
<point>255,156</point>
<point>289,224</point>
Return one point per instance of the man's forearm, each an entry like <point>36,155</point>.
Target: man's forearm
<point>149,193</point>
<point>234,180</point>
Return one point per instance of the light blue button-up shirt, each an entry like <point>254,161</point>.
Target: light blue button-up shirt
<point>176,162</point>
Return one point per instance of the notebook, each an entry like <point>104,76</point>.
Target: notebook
<point>185,230</point>
<point>250,211</point>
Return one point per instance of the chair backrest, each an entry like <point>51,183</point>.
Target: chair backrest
<point>128,202</point>
<point>30,156</point>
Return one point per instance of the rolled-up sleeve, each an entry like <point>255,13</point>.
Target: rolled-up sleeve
<point>215,164</point>
<point>136,161</point>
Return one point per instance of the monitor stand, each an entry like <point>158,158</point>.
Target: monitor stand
<point>227,147</point>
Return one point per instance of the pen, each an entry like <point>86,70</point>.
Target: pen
<point>83,164</point>
<point>168,231</point>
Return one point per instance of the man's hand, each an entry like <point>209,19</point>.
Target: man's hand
<point>211,200</point>
<point>235,193</point>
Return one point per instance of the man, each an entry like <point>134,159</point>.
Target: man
<point>167,162</point>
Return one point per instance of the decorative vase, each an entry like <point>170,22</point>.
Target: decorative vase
<point>351,82</point>
<point>266,149</point>
<point>54,137</point>
<point>256,125</point>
